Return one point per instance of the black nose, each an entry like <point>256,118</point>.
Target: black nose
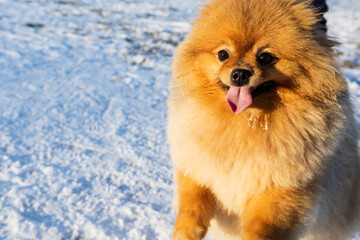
<point>240,77</point>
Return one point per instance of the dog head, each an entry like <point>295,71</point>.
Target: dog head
<point>250,50</point>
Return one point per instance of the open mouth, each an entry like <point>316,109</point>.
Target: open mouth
<point>255,91</point>
<point>239,98</point>
<point>264,87</point>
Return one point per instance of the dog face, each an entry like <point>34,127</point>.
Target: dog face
<point>249,74</point>
<point>251,49</point>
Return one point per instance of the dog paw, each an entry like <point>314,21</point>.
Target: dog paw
<point>196,233</point>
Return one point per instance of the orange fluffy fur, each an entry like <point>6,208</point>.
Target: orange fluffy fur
<point>287,167</point>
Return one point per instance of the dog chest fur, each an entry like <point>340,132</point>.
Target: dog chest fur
<point>238,158</point>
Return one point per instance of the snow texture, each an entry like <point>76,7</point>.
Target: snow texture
<point>83,89</point>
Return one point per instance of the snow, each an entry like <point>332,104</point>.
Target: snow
<point>83,152</point>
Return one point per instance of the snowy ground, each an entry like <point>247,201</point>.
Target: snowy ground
<point>83,88</point>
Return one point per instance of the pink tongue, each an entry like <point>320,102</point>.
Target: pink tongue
<point>238,99</point>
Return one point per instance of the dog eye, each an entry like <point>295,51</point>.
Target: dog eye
<point>223,55</point>
<point>265,59</point>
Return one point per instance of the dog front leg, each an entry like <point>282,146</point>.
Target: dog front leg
<point>196,208</point>
<point>277,214</point>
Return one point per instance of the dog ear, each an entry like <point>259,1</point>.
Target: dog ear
<point>310,15</point>
<point>321,8</point>
<point>318,9</point>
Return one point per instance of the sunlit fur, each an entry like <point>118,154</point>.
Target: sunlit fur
<point>287,167</point>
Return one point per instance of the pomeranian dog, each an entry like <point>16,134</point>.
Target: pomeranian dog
<point>261,129</point>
